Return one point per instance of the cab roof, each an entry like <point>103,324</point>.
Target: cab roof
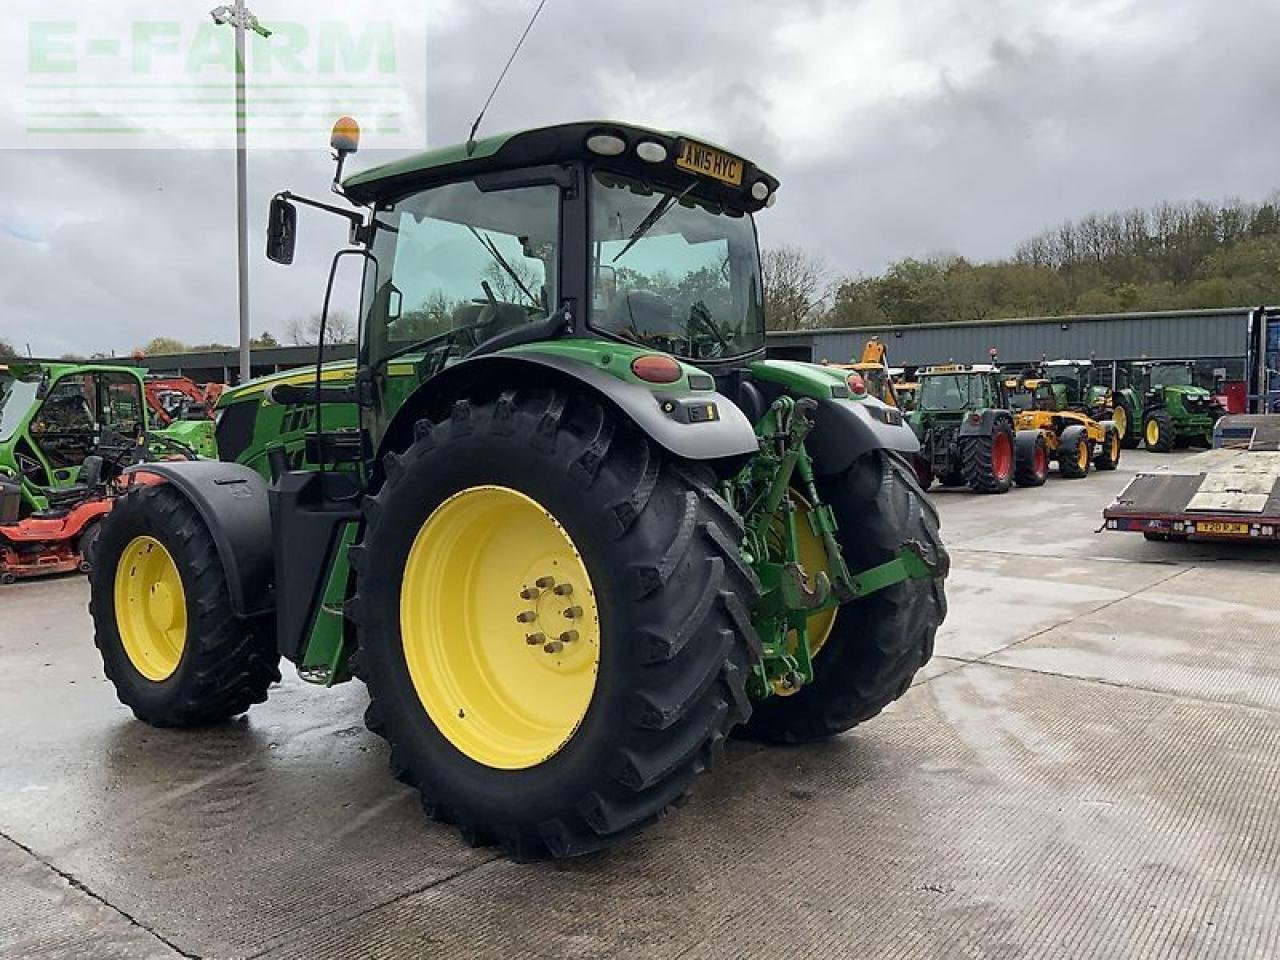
<point>557,144</point>
<point>954,368</point>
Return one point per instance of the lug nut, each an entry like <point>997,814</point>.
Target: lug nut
<point>568,636</point>
<point>545,582</point>
<point>552,646</point>
<point>563,589</point>
<point>527,616</point>
<point>535,639</point>
<point>573,613</point>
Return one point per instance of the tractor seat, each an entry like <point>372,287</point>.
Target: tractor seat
<point>67,496</point>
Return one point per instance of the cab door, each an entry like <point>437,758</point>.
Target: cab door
<point>63,431</point>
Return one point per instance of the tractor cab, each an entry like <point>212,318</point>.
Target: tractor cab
<point>953,388</point>
<point>1032,393</point>
<point>588,233</point>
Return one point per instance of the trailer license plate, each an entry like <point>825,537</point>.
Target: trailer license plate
<point>1214,526</point>
<point>709,162</point>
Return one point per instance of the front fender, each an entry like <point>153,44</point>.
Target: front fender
<point>232,501</point>
<point>689,423</point>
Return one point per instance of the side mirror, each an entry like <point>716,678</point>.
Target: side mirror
<point>282,230</point>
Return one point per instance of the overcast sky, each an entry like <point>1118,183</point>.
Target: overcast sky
<point>896,128</point>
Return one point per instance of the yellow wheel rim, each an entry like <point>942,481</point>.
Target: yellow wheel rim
<point>1153,433</point>
<point>1121,420</point>
<point>813,556</point>
<point>1115,448</point>
<point>1082,455</point>
<point>151,608</point>
<point>500,627</point>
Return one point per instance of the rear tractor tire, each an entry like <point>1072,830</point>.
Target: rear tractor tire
<point>1031,459</point>
<point>553,622</point>
<point>873,647</point>
<point>1158,432</point>
<point>987,462</point>
<point>1075,453</point>
<point>170,642</point>
<point>1108,456</point>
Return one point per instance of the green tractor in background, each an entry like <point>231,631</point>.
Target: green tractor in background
<point>561,516</point>
<point>1085,387</point>
<point>1174,411</point>
<point>966,429</point>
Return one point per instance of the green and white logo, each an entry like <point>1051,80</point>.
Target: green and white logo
<point>150,73</point>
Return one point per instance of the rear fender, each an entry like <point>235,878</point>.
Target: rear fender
<point>845,428</point>
<point>690,424</point>
<point>232,501</point>
<point>983,423</point>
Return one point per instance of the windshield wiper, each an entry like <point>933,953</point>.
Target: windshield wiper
<point>659,211</point>
<point>492,248</point>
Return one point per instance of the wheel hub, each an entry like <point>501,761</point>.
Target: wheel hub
<point>151,608</point>
<point>500,627</point>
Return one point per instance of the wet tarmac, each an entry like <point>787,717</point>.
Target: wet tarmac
<point>1090,767</point>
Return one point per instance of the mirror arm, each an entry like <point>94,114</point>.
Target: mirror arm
<point>359,228</point>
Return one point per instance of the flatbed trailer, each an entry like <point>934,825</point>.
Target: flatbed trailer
<point>1231,492</point>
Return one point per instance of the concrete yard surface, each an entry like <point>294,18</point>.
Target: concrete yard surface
<point>1089,767</point>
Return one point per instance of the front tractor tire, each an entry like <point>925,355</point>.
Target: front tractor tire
<point>1159,432</point>
<point>170,642</point>
<point>1108,455</point>
<point>1075,453</point>
<point>553,622</point>
<point>873,647</point>
<point>987,462</point>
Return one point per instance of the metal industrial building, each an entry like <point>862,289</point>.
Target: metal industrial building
<point>1217,337</point>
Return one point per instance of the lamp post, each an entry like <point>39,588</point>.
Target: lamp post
<point>240,19</point>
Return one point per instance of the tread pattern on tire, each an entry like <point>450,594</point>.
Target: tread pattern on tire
<point>1168,431</point>
<point>976,461</point>
<point>227,664</point>
<point>683,630</point>
<point>1026,445</point>
<point>879,642</point>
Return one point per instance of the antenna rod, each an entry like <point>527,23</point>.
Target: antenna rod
<point>471,137</point>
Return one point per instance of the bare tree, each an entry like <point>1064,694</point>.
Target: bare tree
<point>6,350</point>
<point>305,331</point>
<point>795,284</point>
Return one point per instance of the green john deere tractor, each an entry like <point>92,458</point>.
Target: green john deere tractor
<point>966,428</point>
<point>561,516</point>
<point>1174,411</point>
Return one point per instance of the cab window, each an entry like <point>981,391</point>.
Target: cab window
<point>122,404</point>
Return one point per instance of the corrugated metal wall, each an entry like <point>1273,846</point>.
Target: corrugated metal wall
<point>1177,335</point>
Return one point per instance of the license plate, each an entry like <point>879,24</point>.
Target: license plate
<point>1214,526</point>
<point>709,162</point>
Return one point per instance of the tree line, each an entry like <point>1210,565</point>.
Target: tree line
<point>1194,255</point>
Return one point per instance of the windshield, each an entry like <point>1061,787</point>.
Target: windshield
<point>945,392</point>
<point>1171,376</point>
<point>673,273</point>
<point>16,398</point>
<point>456,266</point>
